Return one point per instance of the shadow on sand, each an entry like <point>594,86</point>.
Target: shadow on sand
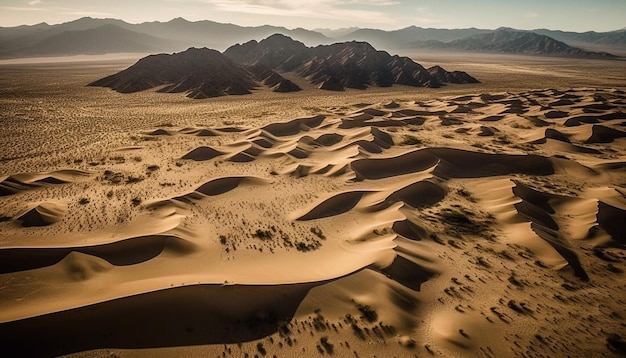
<point>189,315</point>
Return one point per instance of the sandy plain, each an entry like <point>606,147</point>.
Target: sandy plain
<point>472,220</point>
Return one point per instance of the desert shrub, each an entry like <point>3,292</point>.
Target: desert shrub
<point>113,177</point>
<point>84,201</point>
<point>263,234</point>
<point>411,140</point>
<point>503,139</point>
<point>318,232</point>
<point>286,239</point>
<point>614,268</point>
<point>460,223</point>
<point>304,247</point>
<point>466,194</point>
<point>358,331</point>
<point>301,246</point>
<point>283,328</point>
<point>328,347</point>
<point>513,280</point>
<point>433,236</point>
<point>260,348</point>
<point>616,343</point>
<point>319,322</point>
<point>118,159</point>
<point>482,262</point>
<point>368,313</point>
<point>133,179</point>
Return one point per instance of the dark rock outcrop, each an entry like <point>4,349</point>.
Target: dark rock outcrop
<point>285,86</point>
<point>277,52</point>
<point>340,65</point>
<point>201,73</point>
<point>204,73</point>
<point>444,76</point>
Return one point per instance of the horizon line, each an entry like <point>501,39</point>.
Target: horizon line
<point>307,29</point>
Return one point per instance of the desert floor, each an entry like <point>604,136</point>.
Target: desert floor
<point>478,220</point>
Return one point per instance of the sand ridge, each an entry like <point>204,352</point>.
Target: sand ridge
<point>421,223</point>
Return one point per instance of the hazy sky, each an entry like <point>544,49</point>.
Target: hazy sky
<point>574,15</point>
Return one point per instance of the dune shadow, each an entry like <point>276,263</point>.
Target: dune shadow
<point>183,316</point>
<point>120,253</point>
<point>335,205</point>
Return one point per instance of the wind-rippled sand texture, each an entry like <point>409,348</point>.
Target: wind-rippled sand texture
<point>476,225</point>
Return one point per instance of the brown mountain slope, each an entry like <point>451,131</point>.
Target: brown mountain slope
<point>340,65</point>
<point>201,73</point>
<point>204,73</point>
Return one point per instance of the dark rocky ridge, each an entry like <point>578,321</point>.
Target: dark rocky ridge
<point>201,73</point>
<point>341,65</point>
<point>441,75</point>
<point>204,73</point>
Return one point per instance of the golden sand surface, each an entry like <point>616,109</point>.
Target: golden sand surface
<point>480,220</point>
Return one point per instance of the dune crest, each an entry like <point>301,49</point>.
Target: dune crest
<point>475,225</point>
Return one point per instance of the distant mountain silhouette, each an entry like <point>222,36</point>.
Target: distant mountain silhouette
<point>175,35</point>
<point>218,35</point>
<point>23,40</point>
<point>336,33</point>
<point>512,41</point>
<point>406,38</point>
<point>417,37</point>
<point>340,65</point>
<point>81,37</point>
<point>101,40</point>
<point>201,73</point>
<point>614,38</point>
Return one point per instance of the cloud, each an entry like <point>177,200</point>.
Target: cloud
<point>369,2</point>
<point>34,2</point>
<point>294,4</point>
<point>421,15</point>
<point>18,8</point>
<point>323,9</point>
<point>95,14</point>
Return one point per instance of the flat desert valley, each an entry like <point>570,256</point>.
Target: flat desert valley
<point>474,220</point>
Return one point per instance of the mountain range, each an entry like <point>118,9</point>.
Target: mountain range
<point>97,36</point>
<point>511,41</point>
<point>204,73</point>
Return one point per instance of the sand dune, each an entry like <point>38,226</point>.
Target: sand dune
<point>202,153</point>
<point>476,225</point>
<point>41,215</point>
<point>27,181</point>
<point>609,219</point>
<point>602,134</point>
<point>130,251</point>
